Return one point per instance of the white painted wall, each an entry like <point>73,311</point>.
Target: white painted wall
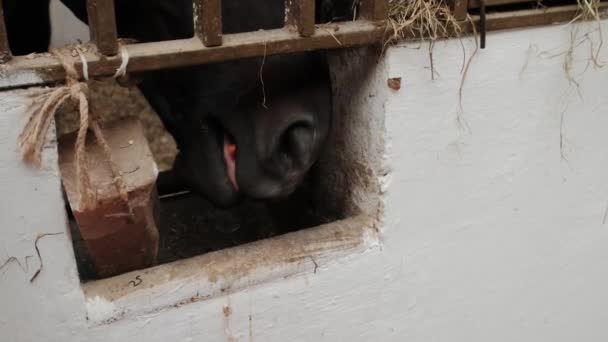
<point>490,232</point>
<point>65,28</point>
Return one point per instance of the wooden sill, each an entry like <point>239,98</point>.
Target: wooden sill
<point>209,275</point>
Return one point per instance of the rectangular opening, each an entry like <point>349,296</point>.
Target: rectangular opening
<point>343,184</point>
<point>312,204</point>
<point>337,212</point>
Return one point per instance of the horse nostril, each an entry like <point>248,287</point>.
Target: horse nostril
<point>296,144</point>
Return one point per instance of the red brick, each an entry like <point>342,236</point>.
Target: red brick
<point>116,241</point>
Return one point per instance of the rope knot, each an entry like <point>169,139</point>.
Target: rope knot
<point>32,139</point>
<point>77,89</point>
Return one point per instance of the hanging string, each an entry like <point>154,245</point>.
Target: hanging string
<point>32,139</point>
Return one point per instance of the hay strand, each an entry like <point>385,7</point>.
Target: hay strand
<point>425,19</point>
<point>459,116</point>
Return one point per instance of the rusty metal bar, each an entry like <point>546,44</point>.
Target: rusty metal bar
<point>300,14</point>
<point>26,71</point>
<point>491,3</point>
<point>208,21</point>
<point>460,9</point>
<point>102,24</point>
<point>477,3</point>
<point>373,9</point>
<point>5,50</point>
<point>482,25</point>
<point>43,69</point>
<point>529,18</point>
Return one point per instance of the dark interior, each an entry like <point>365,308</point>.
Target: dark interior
<point>190,226</point>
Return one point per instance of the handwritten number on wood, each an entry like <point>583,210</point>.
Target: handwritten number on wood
<point>136,282</point>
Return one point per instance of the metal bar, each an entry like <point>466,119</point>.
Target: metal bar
<point>41,68</point>
<point>102,24</point>
<point>477,3</point>
<point>373,9</point>
<point>482,25</point>
<point>460,9</point>
<point>5,50</point>
<point>491,3</point>
<point>534,17</point>
<point>208,21</point>
<point>300,14</point>
<point>26,71</point>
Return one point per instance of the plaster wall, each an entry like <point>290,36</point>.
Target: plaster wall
<point>493,225</point>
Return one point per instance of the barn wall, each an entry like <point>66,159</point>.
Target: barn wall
<point>493,222</point>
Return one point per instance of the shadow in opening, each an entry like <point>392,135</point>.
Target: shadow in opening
<point>189,225</point>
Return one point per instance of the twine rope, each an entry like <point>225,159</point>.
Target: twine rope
<point>32,139</point>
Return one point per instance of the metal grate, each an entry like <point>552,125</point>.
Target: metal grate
<point>208,45</point>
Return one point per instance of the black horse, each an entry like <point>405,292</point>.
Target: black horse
<point>237,136</point>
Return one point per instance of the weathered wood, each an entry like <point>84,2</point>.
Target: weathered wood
<point>102,24</point>
<point>477,3</point>
<point>534,17</point>
<point>374,9</point>
<point>459,9</point>
<point>43,68</point>
<point>230,269</point>
<point>300,14</point>
<point>208,21</point>
<point>5,51</point>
